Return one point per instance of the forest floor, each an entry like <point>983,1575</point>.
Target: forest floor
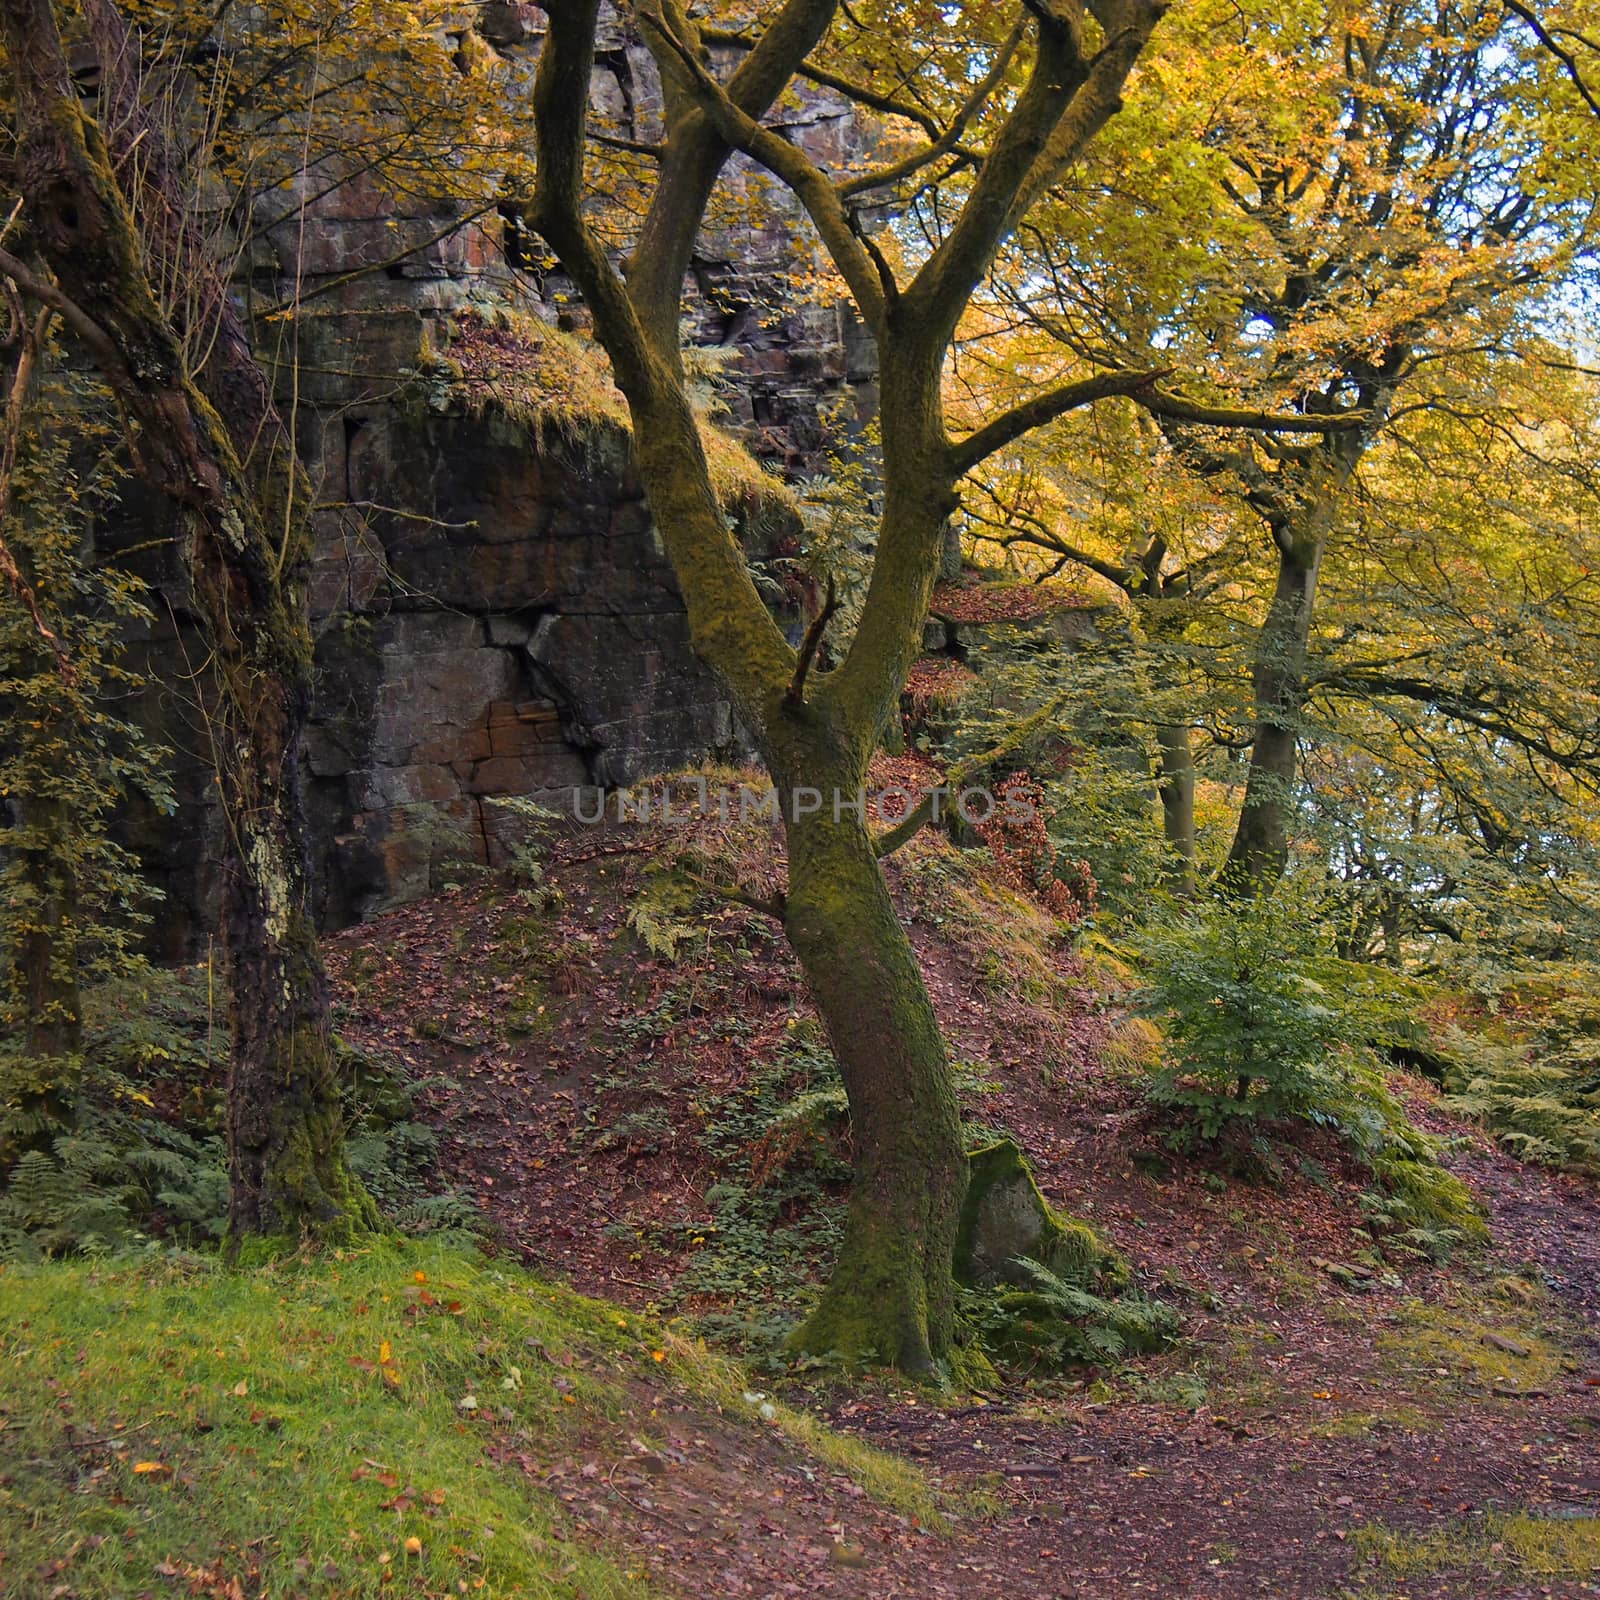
<point>1332,1423</point>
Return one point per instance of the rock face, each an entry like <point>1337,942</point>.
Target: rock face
<point>494,611</point>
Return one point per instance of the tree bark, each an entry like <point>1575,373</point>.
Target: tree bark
<point>1175,785</point>
<point>246,544</point>
<point>1260,848</point>
<point>891,1297</point>
<point>46,958</point>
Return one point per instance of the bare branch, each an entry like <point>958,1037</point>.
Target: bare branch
<point>865,276</point>
<point>922,813</point>
<point>950,139</point>
<point>726,891</point>
<point>796,696</point>
<point>1569,62</point>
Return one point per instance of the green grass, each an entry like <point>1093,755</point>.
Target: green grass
<point>293,1427</point>
<point>1503,1544</point>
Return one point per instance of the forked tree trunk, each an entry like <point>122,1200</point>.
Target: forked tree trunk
<point>892,1295</point>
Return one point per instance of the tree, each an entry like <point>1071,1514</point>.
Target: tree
<point>1393,207</point>
<point>213,443</point>
<point>1027,107</point>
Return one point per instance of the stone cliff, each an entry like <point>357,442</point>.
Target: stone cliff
<point>494,611</point>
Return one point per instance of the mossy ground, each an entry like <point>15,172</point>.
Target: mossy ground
<point>330,1428</point>
<point>1475,1343</point>
<point>1500,1545</point>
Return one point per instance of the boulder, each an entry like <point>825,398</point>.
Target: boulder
<point>1006,1219</point>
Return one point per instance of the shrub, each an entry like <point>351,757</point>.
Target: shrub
<point>1252,1037</point>
<point>1265,1027</point>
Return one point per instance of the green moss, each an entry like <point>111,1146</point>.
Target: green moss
<point>1469,1347</point>
<point>1500,1544</point>
<point>1363,1424</point>
<point>1005,1215</point>
<point>1043,1289</point>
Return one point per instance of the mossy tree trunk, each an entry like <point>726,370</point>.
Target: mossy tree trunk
<point>891,1296</point>
<point>1260,848</point>
<point>246,544</point>
<point>47,954</point>
<point>1299,505</point>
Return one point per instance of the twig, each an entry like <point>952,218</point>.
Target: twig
<point>771,908</point>
<point>811,644</point>
<point>113,1438</point>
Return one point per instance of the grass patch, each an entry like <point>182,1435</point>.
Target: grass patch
<point>1502,1543</point>
<point>325,1429</point>
<point>1363,1424</point>
<point>1480,1346</point>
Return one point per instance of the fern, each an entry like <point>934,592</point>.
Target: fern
<point>1540,1100</point>
<point>73,1197</point>
<point>659,914</point>
<point>1054,1324</point>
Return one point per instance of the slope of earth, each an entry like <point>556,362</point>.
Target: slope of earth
<point>404,1421</point>
<point>631,1083</point>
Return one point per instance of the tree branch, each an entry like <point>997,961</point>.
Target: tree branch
<point>1011,425</point>
<point>1178,409</point>
<point>726,891</point>
<point>1122,577</point>
<point>940,290</point>
<point>696,149</point>
<point>560,118</point>
<point>922,813</point>
<point>1569,62</point>
<point>949,140</point>
<point>858,92</point>
<point>1128,25</point>
<point>98,342</point>
<point>866,277</point>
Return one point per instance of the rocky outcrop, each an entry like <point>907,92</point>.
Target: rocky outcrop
<point>494,611</point>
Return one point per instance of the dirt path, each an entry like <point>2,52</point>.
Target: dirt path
<point>1273,1489</point>
<point>1547,1218</point>
<point>1307,1440</point>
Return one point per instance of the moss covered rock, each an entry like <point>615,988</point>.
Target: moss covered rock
<point>373,1085</point>
<point>1042,1290</point>
<point>1006,1219</point>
